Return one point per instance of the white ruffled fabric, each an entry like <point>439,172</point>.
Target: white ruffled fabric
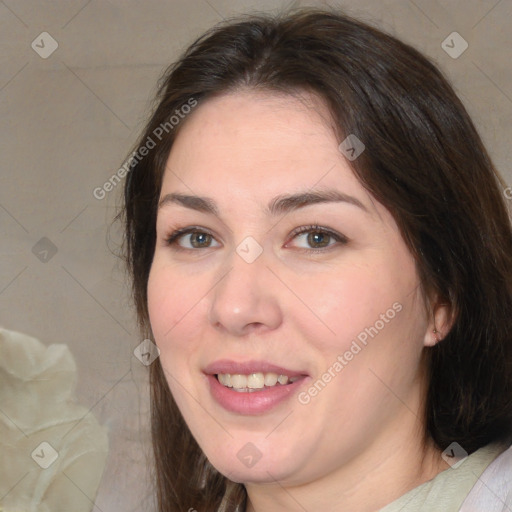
<point>37,405</point>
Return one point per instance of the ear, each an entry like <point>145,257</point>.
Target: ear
<point>440,322</point>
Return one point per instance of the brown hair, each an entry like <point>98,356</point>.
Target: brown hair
<point>424,161</point>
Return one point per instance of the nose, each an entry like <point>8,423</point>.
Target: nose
<point>245,300</point>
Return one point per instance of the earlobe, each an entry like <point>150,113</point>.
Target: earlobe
<point>439,325</point>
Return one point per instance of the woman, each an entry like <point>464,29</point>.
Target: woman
<point>321,251</point>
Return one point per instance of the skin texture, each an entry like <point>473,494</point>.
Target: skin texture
<point>357,445</point>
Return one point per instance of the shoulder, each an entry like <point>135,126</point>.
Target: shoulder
<point>493,490</point>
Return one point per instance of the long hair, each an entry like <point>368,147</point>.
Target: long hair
<point>424,161</point>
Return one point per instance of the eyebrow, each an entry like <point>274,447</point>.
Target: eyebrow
<point>278,205</point>
<point>285,203</point>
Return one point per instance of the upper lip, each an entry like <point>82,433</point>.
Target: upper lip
<point>248,367</point>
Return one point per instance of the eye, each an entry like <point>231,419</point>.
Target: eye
<point>192,237</point>
<point>318,238</point>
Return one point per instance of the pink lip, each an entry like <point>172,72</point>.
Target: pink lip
<point>253,403</point>
<point>256,402</point>
<point>248,367</point>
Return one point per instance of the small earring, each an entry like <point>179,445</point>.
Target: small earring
<point>435,331</point>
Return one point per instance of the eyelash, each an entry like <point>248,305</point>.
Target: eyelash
<point>171,239</point>
<point>316,228</point>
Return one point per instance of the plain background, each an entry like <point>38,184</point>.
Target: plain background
<point>67,124</point>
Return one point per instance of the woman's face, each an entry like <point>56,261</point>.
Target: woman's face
<point>290,267</point>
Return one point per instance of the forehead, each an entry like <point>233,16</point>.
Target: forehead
<point>253,142</point>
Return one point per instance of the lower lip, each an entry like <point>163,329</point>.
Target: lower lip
<point>255,402</point>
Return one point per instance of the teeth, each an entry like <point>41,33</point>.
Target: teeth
<point>282,379</point>
<point>254,381</point>
<point>270,379</point>
<point>238,381</point>
<point>225,379</point>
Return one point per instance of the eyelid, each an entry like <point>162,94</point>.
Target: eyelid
<point>176,234</point>
<point>338,237</point>
<point>317,228</point>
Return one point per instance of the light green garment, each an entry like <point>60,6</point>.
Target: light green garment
<point>449,488</point>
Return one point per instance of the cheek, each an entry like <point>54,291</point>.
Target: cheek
<point>173,305</point>
<point>361,302</point>
<point>161,302</point>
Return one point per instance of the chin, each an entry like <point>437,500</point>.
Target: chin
<point>241,469</point>
<point>262,475</point>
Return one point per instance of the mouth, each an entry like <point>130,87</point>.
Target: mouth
<point>253,387</point>
<point>255,382</point>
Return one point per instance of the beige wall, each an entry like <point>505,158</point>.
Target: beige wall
<point>68,121</point>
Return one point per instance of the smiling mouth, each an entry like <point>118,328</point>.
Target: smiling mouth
<point>255,382</point>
